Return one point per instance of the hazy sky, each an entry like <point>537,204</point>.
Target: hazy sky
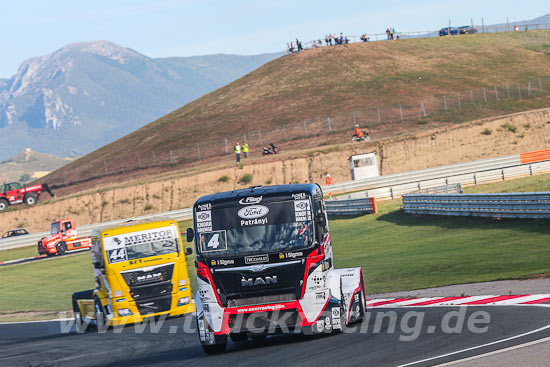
<point>160,28</point>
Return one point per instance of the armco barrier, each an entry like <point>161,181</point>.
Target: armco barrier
<point>351,207</point>
<point>86,230</point>
<point>471,173</point>
<point>514,205</point>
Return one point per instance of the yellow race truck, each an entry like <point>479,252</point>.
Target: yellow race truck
<point>140,271</point>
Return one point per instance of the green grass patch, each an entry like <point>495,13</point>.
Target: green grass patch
<point>18,253</point>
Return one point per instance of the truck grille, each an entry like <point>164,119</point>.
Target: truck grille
<point>261,300</point>
<point>139,277</point>
<point>151,290</point>
<point>154,305</point>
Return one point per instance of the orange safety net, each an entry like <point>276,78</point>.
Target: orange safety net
<point>538,156</point>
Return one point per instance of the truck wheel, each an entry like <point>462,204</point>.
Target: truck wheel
<point>61,248</point>
<point>218,344</point>
<point>4,204</point>
<point>30,199</point>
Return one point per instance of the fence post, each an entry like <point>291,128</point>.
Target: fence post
<point>472,96</point>
<point>121,165</point>
<point>154,158</point>
<point>445,102</point>
<point>105,165</point>
<point>171,158</point>
<point>540,82</point>
<point>529,89</point>
<point>391,192</point>
<point>354,120</point>
<point>379,116</point>
<point>305,128</point>
<point>531,169</point>
<point>485,95</point>
<point>65,173</point>
<point>519,91</point>
<point>139,160</point>
<point>459,102</point>
<point>199,150</point>
<point>475,179</point>
<point>329,127</point>
<point>423,109</point>
<point>286,134</point>
<point>244,138</point>
<point>260,136</point>
<point>496,92</point>
<point>77,175</point>
<point>508,91</point>
<point>226,149</point>
<point>401,112</point>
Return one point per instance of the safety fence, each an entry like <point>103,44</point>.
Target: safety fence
<point>351,207</point>
<point>469,173</point>
<point>86,230</point>
<point>514,205</point>
<point>375,37</point>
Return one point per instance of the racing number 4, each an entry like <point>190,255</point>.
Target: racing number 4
<point>214,241</point>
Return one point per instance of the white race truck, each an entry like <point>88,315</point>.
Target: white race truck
<point>264,265</point>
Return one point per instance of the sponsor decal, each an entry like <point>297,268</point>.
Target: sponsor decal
<point>204,216</point>
<point>327,323</point>
<point>256,259</point>
<point>293,255</point>
<point>250,200</point>
<point>320,325</point>
<point>213,262</point>
<point>258,281</point>
<point>253,222</point>
<point>320,295</point>
<point>253,211</point>
<point>204,220</point>
<point>213,241</point>
<point>336,317</point>
<point>140,237</point>
<point>281,256</point>
<point>261,308</point>
<point>302,210</point>
<point>226,262</point>
<point>203,207</point>
<point>300,196</point>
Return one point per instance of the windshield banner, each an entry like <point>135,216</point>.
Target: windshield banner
<point>258,214</point>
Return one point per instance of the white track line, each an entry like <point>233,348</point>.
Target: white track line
<point>495,352</point>
<point>477,347</point>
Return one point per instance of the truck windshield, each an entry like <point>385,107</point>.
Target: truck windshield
<point>137,245</point>
<point>236,230</point>
<point>55,228</point>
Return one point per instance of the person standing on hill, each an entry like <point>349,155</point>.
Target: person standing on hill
<point>245,150</point>
<point>328,180</point>
<point>238,152</point>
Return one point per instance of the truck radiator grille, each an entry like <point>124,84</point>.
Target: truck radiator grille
<point>154,305</point>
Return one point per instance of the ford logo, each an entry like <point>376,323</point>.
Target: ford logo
<point>253,211</point>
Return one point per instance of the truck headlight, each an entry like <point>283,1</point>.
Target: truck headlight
<point>183,301</point>
<point>124,312</point>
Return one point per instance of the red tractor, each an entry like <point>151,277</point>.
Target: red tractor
<point>15,193</point>
<point>63,238</point>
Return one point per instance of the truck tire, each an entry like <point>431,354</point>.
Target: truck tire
<point>219,346</point>
<point>61,248</point>
<point>4,204</point>
<point>238,337</point>
<point>80,326</point>
<point>30,199</point>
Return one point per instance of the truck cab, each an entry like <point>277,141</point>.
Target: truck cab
<point>140,271</point>
<point>265,265</point>
<point>63,238</point>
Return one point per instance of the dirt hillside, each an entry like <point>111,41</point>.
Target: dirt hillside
<point>465,142</point>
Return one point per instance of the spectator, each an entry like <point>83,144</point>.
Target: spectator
<point>274,148</point>
<point>237,152</point>
<point>393,33</point>
<point>326,40</point>
<point>388,33</point>
<point>245,150</point>
<point>365,38</point>
<point>328,180</point>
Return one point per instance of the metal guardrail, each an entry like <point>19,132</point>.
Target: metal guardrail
<point>445,189</point>
<point>351,207</point>
<point>86,230</point>
<point>514,205</point>
<point>471,173</point>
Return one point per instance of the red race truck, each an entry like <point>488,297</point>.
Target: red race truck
<point>63,238</point>
<point>14,193</point>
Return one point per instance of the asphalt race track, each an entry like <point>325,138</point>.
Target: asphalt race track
<point>42,343</point>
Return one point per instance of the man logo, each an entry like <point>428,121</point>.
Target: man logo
<point>203,216</point>
<point>252,282</point>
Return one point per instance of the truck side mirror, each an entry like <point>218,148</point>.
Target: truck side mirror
<point>97,265</point>
<point>190,234</point>
<point>188,251</point>
<point>321,219</point>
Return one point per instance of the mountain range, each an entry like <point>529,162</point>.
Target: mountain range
<point>86,95</point>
